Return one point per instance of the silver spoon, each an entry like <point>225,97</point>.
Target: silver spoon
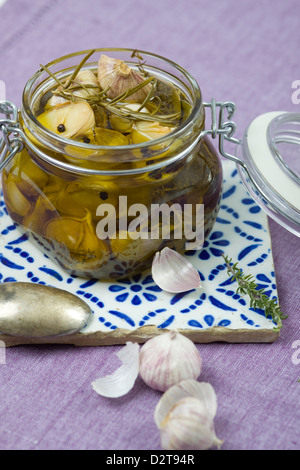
<point>40,311</point>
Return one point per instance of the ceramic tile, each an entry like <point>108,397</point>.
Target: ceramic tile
<point>241,231</point>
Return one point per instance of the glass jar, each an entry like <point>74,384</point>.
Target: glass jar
<point>70,197</point>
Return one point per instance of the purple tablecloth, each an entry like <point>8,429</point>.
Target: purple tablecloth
<point>244,51</point>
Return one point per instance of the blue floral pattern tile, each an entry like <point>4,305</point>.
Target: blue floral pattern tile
<point>241,232</point>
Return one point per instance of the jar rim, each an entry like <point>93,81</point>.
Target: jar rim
<point>175,134</point>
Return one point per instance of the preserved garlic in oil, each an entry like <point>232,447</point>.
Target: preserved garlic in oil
<point>105,118</point>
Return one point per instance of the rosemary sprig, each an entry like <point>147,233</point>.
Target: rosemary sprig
<point>132,90</point>
<point>258,298</point>
<point>52,75</point>
<point>78,68</point>
<point>66,85</point>
<point>149,96</point>
<point>116,105</point>
<point>137,115</point>
<point>90,97</point>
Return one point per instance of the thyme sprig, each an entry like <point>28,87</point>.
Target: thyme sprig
<point>116,105</point>
<point>258,298</point>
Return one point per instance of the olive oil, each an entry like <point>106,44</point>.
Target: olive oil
<point>133,147</point>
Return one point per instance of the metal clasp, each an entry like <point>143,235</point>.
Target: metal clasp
<point>10,142</point>
<point>223,126</point>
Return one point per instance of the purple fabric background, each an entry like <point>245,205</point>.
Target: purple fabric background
<point>240,50</point>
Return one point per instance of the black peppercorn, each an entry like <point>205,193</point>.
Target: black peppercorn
<point>61,128</point>
<point>103,195</point>
<point>156,175</point>
<point>86,140</point>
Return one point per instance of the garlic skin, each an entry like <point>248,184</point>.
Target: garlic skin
<point>121,381</point>
<point>174,273</point>
<point>117,77</point>
<point>168,359</point>
<point>188,426</point>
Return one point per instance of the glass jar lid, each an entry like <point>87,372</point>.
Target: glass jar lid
<point>269,165</point>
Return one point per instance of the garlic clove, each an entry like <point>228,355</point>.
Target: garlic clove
<point>143,131</point>
<point>120,124</point>
<point>188,426</point>
<point>173,273</point>
<point>122,380</point>
<point>124,124</point>
<point>16,201</point>
<point>117,77</point>
<point>101,117</point>
<point>86,77</point>
<point>70,121</point>
<point>135,107</point>
<point>109,137</point>
<point>203,391</point>
<point>168,359</point>
<point>56,101</point>
<point>124,247</point>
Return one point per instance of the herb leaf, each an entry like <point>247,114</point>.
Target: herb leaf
<point>258,298</point>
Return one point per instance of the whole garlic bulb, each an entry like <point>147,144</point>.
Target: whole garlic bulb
<point>168,359</point>
<point>115,76</point>
<point>188,426</point>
